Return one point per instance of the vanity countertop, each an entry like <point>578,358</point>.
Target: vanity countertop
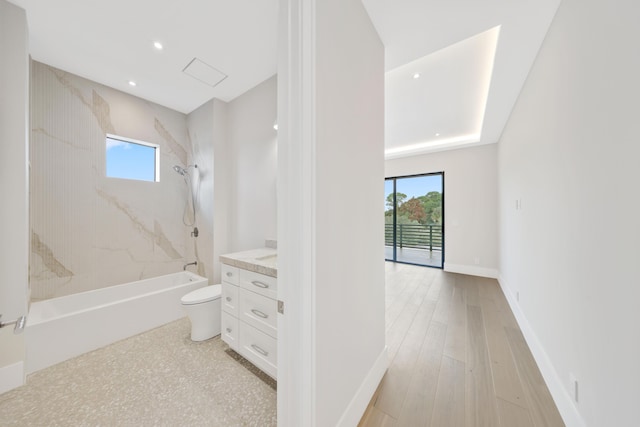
<point>262,260</point>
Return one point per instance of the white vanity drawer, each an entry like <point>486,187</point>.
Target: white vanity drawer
<point>230,299</point>
<point>259,311</point>
<point>259,283</point>
<point>230,332</point>
<point>229,274</point>
<point>259,348</point>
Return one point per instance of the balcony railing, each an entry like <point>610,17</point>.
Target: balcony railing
<point>416,236</point>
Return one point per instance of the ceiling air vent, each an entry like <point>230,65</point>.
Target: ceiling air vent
<point>204,72</point>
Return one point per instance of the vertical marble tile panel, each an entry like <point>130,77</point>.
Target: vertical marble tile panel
<point>91,231</point>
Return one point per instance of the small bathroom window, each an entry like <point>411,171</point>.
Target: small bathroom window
<point>131,159</point>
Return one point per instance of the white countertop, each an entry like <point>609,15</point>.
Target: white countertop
<point>261,260</point>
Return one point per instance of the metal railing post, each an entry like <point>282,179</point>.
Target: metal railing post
<point>430,238</point>
<point>400,236</point>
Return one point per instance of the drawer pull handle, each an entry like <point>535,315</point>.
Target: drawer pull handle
<point>259,284</point>
<point>259,313</point>
<point>228,330</point>
<point>228,298</point>
<point>259,350</point>
<point>229,274</point>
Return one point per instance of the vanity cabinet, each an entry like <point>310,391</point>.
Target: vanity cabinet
<point>249,316</point>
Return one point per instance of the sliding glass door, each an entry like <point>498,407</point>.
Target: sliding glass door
<point>414,219</point>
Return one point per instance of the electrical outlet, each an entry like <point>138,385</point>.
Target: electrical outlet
<point>573,387</point>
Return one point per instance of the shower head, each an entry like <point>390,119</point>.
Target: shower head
<point>183,171</point>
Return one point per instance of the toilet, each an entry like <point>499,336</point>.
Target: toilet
<point>203,308</point>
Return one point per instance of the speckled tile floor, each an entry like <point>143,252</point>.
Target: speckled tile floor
<point>158,378</point>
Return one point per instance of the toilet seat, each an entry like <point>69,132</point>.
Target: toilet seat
<point>201,295</point>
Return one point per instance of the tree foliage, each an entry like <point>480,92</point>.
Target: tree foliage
<point>400,198</point>
<point>413,209</point>
<point>425,209</point>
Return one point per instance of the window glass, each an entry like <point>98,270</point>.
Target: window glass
<point>131,160</point>
<point>414,220</point>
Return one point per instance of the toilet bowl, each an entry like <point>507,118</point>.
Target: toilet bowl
<point>203,308</point>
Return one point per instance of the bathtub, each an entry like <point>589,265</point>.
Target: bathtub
<point>61,328</point>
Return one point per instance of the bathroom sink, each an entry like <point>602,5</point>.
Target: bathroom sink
<point>268,260</point>
<point>272,257</point>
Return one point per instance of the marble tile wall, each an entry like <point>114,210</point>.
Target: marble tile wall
<point>89,231</point>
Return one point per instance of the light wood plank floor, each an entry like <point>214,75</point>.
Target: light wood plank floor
<point>457,356</point>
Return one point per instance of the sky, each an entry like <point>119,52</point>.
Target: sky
<point>414,186</point>
<point>130,161</point>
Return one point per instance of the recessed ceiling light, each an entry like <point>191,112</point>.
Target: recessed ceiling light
<point>437,134</point>
<point>132,83</point>
<point>158,45</point>
<point>416,76</point>
<point>275,126</point>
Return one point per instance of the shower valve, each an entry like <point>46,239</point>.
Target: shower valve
<point>195,232</point>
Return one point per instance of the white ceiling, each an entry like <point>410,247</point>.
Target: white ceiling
<point>413,29</point>
<point>470,76</point>
<point>111,42</point>
<point>439,99</point>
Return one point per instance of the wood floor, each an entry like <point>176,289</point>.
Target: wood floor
<point>457,356</point>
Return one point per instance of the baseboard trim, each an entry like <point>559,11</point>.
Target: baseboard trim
<point>11,376</point>
<point>568,411</point>
<point>358,405</point>
<point>471,270</point>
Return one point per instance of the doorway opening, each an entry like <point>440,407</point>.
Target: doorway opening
<point>414,219</point>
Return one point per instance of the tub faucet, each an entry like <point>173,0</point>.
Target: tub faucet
<point>184,268</point>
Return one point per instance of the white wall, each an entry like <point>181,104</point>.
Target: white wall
<point>349,192</point>
<point>570,153</point>
<point>470,199</point>
<point>253,164</point>
<point>14,188</point>
<point>331,248</point>
<point>200,125</point>
<point>222,187</point>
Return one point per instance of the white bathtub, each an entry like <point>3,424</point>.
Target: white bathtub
<point>61,328</point>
